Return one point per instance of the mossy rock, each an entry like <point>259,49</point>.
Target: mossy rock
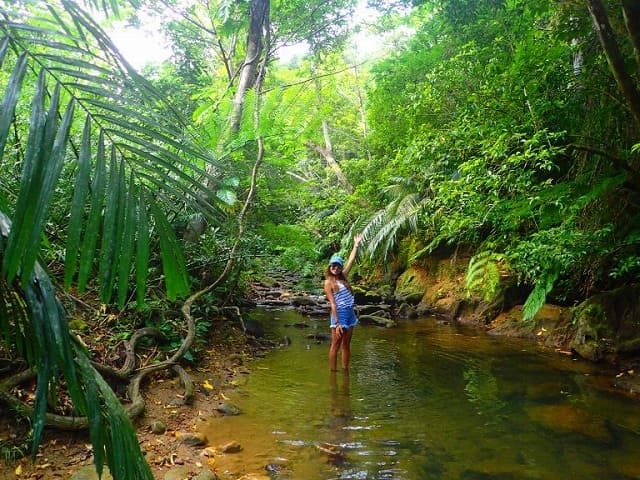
<point>608,325</point>
<point>411,285</point>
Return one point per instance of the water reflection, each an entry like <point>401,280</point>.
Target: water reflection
<point>340,417</point>
<point>426,401</point>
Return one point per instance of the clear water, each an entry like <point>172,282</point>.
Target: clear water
<point>426,401</point>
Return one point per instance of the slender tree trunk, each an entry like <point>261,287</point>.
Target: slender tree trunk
<point>363,112</point>
<point>258,29</point>
<point>327,151</point>
<point>258,14</point>
<point>327,154</point>
<point>614,56</point>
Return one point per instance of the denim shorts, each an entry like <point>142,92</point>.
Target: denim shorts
<point>347,318</point>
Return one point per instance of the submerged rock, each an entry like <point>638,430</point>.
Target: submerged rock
<point>570,419</point>
<point>228,409</point>
<point>89,473</point>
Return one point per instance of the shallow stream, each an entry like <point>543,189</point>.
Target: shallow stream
<point>425,400</point>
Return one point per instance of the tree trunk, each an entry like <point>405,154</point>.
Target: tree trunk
<point>258,14</point>
<point>327,154</point>
<point>327,151</point>
<point>613,54</point>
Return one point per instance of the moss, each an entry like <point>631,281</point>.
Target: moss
<point>78,325</point>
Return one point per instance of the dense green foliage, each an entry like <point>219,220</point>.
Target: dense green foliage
<point>501,121</point>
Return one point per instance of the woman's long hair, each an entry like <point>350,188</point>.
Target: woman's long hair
<point>333,280</point>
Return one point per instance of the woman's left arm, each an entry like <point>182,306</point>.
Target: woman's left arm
<point>352,256</point>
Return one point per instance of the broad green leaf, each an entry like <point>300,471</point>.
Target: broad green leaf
<point>142,250</point>
<point>51,167</point>
<point>125,258</point>
<point>173,266</point>
<point>227,196</point>
<point>97,432</point>
<point>94,218</point>
<point>81,188</point>
<point>29,185</point>
<point>4,44</point>
<point>109,243</point>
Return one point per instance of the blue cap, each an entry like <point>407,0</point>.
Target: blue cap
<point>337,259</point>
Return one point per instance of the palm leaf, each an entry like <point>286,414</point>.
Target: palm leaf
<point>149,148</point>
<point>401,214</point>
<point>65,73</point>
<point>92,226</point>
<point>80,191</point>
<point>11,96</point>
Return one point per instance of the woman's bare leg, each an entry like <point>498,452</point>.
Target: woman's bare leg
<point>336,339</point>
<point>346,347</point>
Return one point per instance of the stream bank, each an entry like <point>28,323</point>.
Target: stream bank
<point>604,328</point>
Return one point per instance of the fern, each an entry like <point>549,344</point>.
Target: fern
<point>485,273</point>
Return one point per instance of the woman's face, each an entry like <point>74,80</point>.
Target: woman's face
<point>335,268</point>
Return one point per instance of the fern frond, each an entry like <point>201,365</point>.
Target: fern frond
<point>485,273</point>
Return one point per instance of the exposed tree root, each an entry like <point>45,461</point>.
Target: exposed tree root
<point>127,373</point>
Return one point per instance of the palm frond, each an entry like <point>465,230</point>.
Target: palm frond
<point>401,214</point>
<point>64,82</point>
<point>76,61</point>
<point>112,434</point>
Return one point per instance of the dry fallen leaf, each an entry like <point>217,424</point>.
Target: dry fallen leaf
<point>207,385</point>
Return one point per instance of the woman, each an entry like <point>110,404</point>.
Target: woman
<point>340,296</point>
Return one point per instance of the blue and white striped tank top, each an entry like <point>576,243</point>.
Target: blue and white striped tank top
<point>343,297</point>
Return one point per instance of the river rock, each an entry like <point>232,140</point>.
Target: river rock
<point>178,473</point>
<point>608,325</point>
<point>193,439</point>
<point>253,327</point>
<point>570,419</point>
<point>158,427</point>
<point>206,474</point>
<point>411,285</point>
<point>231,447</point>
<point>228,409</point>
<point>300,300</point>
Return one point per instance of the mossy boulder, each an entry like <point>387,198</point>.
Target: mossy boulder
<point>411,285</point>
<point>444,293</point>
<point>608,325</point>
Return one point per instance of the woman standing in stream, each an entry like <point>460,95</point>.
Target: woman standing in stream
<point>340,296</point>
